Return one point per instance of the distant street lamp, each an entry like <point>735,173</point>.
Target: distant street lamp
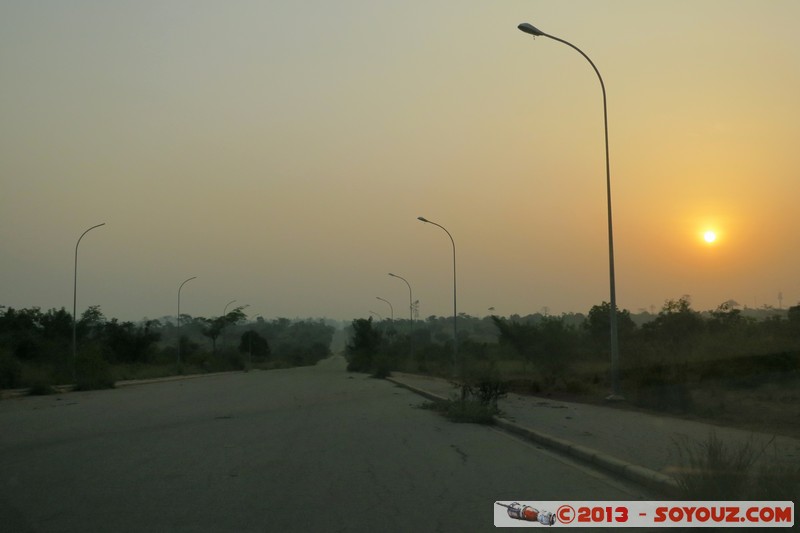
<point>179,317</point>
<point>410,298</point>
<point>391,309</point>
<point>75,305</point>
<point>410,314</point>
<point>615,388</point>
<point>455,312</point>
<point>377,315</point>
<point>225,312</point>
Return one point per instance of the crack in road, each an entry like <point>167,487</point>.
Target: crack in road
<point>460,452</point>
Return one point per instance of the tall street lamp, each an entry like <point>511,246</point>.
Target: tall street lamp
<point>615,390</point>
<point>455,312</point>
<point>179,317</point>
<point>75,304</point>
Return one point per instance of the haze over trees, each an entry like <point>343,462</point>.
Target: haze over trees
<point>663,355</point>
<point>660,352</point>
<point>36,346</point>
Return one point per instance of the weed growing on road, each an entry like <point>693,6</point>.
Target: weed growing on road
<point>467,411</point>
<point>474,404</point>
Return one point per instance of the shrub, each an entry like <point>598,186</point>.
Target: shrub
<point>381,367</point>
<point>10,371</point>
<point>364,343</point>
<point>481,382</point>
<point>92,371</point>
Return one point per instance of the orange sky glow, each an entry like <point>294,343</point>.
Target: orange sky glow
<point>282,153</point>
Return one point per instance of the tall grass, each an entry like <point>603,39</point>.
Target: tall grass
<point>712,470</point>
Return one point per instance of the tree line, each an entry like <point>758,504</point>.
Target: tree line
<point>36,346</point>
<point>572,351</point>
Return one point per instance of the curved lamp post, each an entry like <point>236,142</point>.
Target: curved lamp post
<point>179,316</point>
<point>75,304</point>
<point>391,309</point>
<point>225,311</point>
<point>455,312</point>
<point>410,314</point>
<point>615,392</point>
<point>410,298</point>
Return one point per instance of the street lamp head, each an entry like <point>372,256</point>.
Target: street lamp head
<point>528,28</point>
<point>392,275</point>
<point>423,219</point>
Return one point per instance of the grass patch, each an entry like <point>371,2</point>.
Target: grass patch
<point>714,471</point>
<point>38,379</point>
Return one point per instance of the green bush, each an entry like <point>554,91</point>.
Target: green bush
<point>10,371</point>
<point>92,371</point>
<point>363,344</point>
<point>381,367</point>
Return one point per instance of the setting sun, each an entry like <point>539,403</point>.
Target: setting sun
<point>709,236</point>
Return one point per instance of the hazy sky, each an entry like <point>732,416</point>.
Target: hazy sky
<point>281,150</point>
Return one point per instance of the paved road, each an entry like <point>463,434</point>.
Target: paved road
<point>309,449</point>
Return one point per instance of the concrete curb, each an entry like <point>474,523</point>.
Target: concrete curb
<point>645,477</point>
